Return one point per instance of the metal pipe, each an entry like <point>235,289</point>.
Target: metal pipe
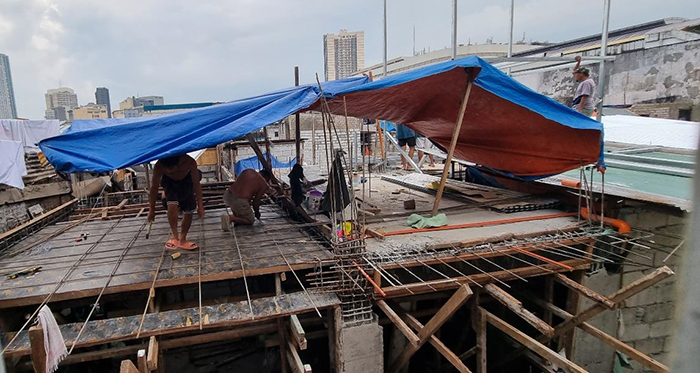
<point>603,53</point>
<point>510,31</point>
<point>454,29</point>
<point>385,44</point>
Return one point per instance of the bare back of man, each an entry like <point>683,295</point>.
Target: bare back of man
<point>243,197</point>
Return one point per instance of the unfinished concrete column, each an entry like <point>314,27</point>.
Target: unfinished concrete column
<point>359,348</point>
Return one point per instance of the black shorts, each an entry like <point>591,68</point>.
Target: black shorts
<point>180,192</point>
<point>411,142</point>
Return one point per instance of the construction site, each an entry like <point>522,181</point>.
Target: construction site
<point>431,269</point>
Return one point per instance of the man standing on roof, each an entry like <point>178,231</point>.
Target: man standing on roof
<point>584,98</point>
<point>406,137</point>
<point>179,177</point>
<point>243,197</point>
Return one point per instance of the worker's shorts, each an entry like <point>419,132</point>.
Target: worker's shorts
<point>411,142</point>
<point>180,192</point>
<point>240,206</point>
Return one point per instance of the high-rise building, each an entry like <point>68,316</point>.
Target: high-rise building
<point>59,101</point>
<point>8,109</point>
<point>102,98</point>
<point>343,54</point>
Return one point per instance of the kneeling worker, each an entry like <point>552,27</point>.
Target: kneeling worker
<point>247,190</point>
<point>179,177</point>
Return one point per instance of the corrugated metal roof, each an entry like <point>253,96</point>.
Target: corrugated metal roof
<point>651,131</point>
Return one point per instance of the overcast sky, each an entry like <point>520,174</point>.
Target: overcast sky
<point>206,50</point>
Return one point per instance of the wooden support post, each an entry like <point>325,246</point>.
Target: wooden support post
<point>127,366</point>
<point>453,143</point>
<point>531,343</point>
<point>566,341</point>
<point>549,297</point>
<point>403,328</point>
<point>618,345</point>
<point>218,163</point>
<point>619,296</point>
<point>297,119</point>
<point>297,332</point>
<point>517,307</point>
<point>280,328</point>
<point>434,341</point>
<point>152,355</point>
<point>268,152</point>
<point>583,290</point>
<point>447,310</point>
<point>142,361</point>
<point>38,351</point>
<point>481,342</point>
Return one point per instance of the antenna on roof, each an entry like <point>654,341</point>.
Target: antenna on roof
<point>414,39</point>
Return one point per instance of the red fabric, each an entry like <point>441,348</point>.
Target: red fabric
<point>495,132</point>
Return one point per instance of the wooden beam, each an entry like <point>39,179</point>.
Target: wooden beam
<point>517,307</point>
<point>38,354</point>
<point>531,343</point>
<point>453,143</point>
<point>481,340</point>
<point>584,290</point>
<point>127,366</point>
<point>443,314</point>
<point>152,355</point>
<point>261,157</point>
<point>434,341</point>
<point>280,328</point>
<point>297,332</point>
<point>142,361</point>
<point>121,204</point>
<point>400,324</point>
<point>618,345</point>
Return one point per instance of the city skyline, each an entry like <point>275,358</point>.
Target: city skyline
<point>232,51</point>
<point>343,54</point>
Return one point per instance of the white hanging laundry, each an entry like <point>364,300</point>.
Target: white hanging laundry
<point>12,166</point>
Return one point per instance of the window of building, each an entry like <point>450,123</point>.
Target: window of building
<point>684,114</point>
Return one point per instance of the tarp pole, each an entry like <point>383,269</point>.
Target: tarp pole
<point>266,165</point>
<point>453,144</point>
<point>297,133</point>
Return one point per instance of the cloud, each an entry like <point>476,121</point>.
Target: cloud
<point>213,50</point>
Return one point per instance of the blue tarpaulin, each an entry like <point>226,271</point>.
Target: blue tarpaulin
<point>254,163</point>
<point>507,126</point>
<point>112,144</point>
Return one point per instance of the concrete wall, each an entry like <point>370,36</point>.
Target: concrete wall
<point>645,321</point>
<point>643,76</point>
<point>12,215</point>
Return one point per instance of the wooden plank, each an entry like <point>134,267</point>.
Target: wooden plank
<point>142,361</point>
<point>531,343</point>
<point>121,204</point>
<point>448,309</point>
<point>297,332</point>
<point>152,355</point>
<point>169,322</point>
<point>567,341</point>
<point>37,219</point>
<point>517,307</point>
<point>400,324</point>
<point>453,143</point>
<point>434,341</point>
<point>584,290</point>
<point>127,366</point>
<point>38,354</point>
